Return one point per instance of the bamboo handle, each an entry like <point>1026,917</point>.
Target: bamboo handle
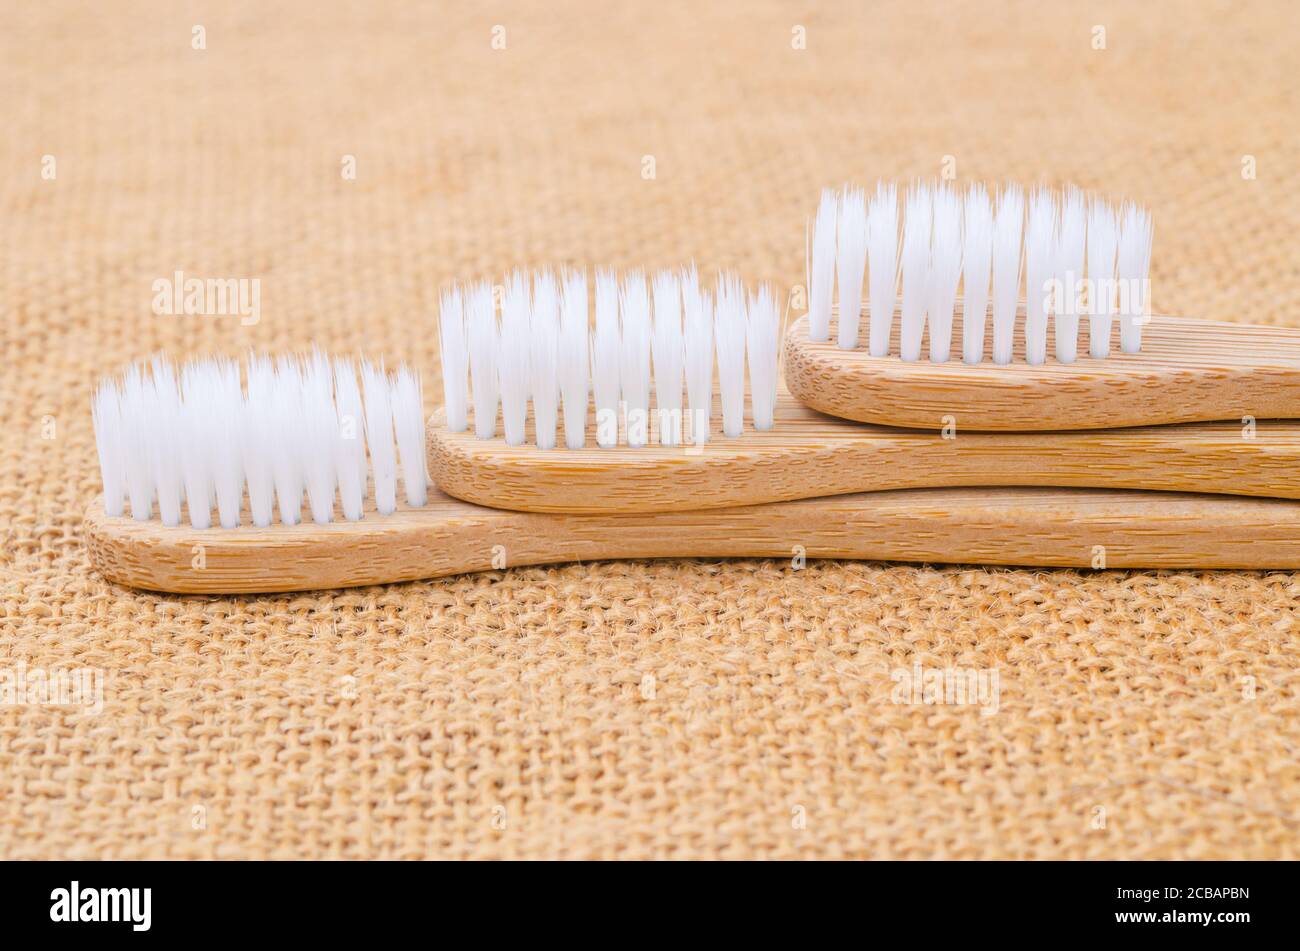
<point>1060,528</point>
<point>809,454</point>
<point>1188,371</point>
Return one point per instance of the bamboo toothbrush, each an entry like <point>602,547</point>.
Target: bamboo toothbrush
<point>199,439</point>
<point>644,459</point>
<point>1072,258</point>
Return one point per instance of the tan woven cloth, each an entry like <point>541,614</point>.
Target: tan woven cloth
<point>673,709</point>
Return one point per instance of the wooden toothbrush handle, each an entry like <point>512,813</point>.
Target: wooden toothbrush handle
<point>809,454</point>
<point>1188,371</point>
<point>1041,527</point>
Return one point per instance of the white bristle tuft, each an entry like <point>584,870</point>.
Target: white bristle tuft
<point>916,270</point>
<point>408,424</point>
<point>850,264</point>
<point>484,358</point>
<point>160,437</point>
<point>543,356</point>
<point>1040,269</point>
<point>1069,274</point>
<point>763,333</point>
<point>139,424</point>
<point>260,436</point>
<point>699,356</point>
<point>195,432</point>
<point>226,410</point>
<point>1134,268</point>
<point>1008,227</point>
<point>882,242</point>
<point>1103,238</point>
<point>729,347</point>
<point>320,426</point>
<point>822,279</point>
<point>350,441</point>
<point>667,350</point>
<point>106,414</point>
<point>605,359</point>
<point>455,359</point>
<point>574,362</point>
<point>945,270</point>
<point>514,363</point>
<point>286,460</point>
<point>211,403</point>
<point>977,252</point>
<point>379,437</point>
<point>634,356</point>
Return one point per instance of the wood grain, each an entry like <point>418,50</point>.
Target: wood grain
<point>1039,527</point>
<point>810,454</point>
<point>1188,371</point>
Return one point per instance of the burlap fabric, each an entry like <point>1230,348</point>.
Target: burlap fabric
<point>676,709</point>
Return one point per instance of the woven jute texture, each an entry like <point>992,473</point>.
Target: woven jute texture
<point>677,709</point>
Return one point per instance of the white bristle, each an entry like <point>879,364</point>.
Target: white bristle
<point>605,359</point>
<point>320,426</point>
<point>667,349</point>
<point>851,264</point>
<point>573,362</point>
<point>729,333</point>
<point>200,441</point>
<point>822,278</point>
<point>408,424</point>
<point>1103,238</point>
<point>882,242</point>
<point>1040,270</point>
<point>763,332</point>
<point>379,437</point>
<point>260,435</point>
<point>543,357</point>
<point>1069,273</point>
<point>106,414</point>
<point>484,358</point>
<point>139,423</point>
<point>634,357</point>
<point>350,440</point>
<point>285,448</point>
<point>514,363</point>
<point>161,441</point>
<point>699,356</point>
<point>211,413</point>
<point>455,359</point>
<point>1007,229</point>
<point>1134,272</point>
<point>945,270</point>
<point>196,443</point>
<point>225,411</point>
<point>977,251</point>
<point>195,434</point>
<point>916,270</point>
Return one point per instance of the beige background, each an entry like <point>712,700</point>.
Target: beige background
<point>502,714</point>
